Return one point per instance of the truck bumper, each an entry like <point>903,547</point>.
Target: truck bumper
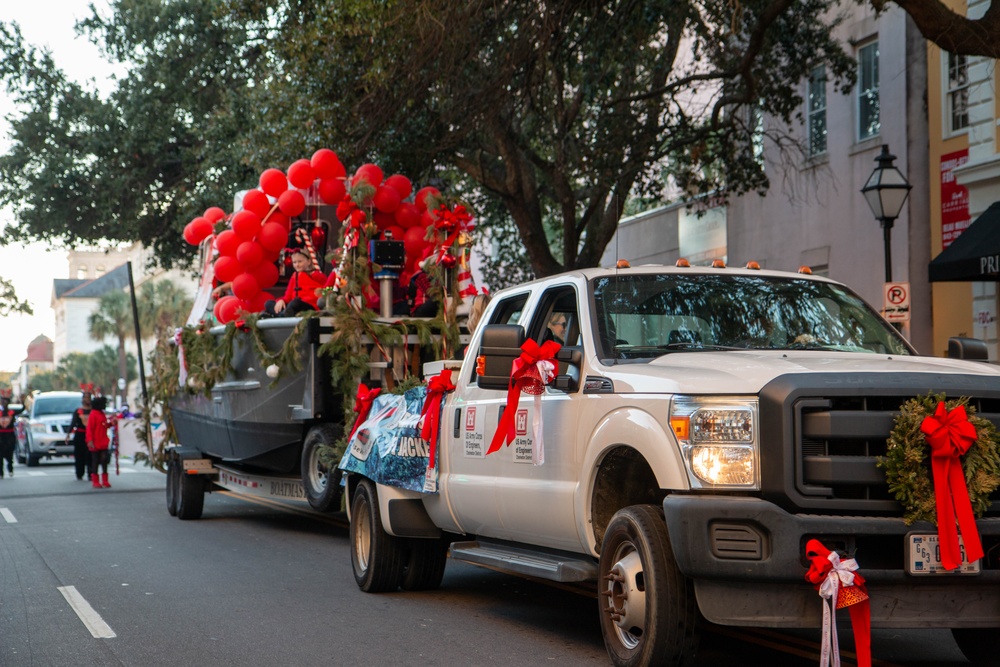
<point>746,558</point>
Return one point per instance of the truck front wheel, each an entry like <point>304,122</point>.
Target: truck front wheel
<point>377,556</point>
<point>647,608</point>
<point>321,484</point>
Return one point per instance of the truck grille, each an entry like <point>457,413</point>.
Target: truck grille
<point>832,437</point>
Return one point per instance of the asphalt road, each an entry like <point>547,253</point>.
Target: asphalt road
<point>255,583</point>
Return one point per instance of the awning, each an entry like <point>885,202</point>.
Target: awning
<point>973,256</point>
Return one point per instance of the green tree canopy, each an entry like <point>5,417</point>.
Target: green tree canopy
<point>113,319</point>
<point>99,367</point>
<point>163,306</point>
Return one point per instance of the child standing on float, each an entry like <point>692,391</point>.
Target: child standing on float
<point>98,441</point>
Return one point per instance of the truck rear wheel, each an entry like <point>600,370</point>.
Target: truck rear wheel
<point>376,556</point>
<point>979,645</point>
<point>190,495</point>
<point>647,608</point>
<point>321,484</point>
<point>425,565</point>
<point>173,481</point>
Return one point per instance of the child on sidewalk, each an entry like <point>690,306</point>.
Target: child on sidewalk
<point>98,441</point>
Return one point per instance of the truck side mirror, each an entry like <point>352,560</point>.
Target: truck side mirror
<point>499,346</point>
<point>972,349</point>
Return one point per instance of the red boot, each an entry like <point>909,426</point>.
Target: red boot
<point>94,481</point>
<point>104,481</point>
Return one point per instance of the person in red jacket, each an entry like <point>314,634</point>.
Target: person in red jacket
<point>7,438</point>
<point>303,288</point>
<point>98,441</point>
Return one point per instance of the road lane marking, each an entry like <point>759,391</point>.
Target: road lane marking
<point>37,474</point>
<point>277,504</point>
<point>7,515</point>
<point>98,628</point>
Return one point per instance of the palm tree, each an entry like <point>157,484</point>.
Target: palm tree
<point>113,318</point>
<point>163,306</point>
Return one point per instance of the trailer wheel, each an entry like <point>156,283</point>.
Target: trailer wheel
<point>321,484</point>
<point>190,496</point>
<point>979,645</point>
<point>173,481</point>
<point>425,565</point>
<point>647,608</point>
<point>377,557</point>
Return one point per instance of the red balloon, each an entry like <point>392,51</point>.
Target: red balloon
<point>280,218</point>
<point>225,309</point>
<point>386,199</point>
<point>246,224</point>
<point>423,194</point>
<point>332,190</point>
<point>245,286</point>
<point>227,242</point>
<point>384,220</point>
<point>272,236</point>
<point>326,164</point>
<point>250,254</point>
<point>368,172</point>
<point>271,255</point>
<point>201,229</point>
<point>395,231</point>
<point>400,184</point>
<point>189,233</point>
<point>428,219</point>
<point>256,201</point>
<point>273,182</point>
<point>407,215</point>
<point>413,241</point>
<point>291,203</point>
<point>301,174</point>
<point>318,237</point>
<point>256,304</point>
<point>404,277</point>
<point>227,268</point>
<point>213,214</point>
<point>265,273</point>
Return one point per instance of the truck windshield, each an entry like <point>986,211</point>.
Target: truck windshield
<point>55,405</point>
<point>647,315</point>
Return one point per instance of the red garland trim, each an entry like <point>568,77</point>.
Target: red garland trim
<point>520,377</point>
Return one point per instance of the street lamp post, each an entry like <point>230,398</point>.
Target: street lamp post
<point>886,192</point>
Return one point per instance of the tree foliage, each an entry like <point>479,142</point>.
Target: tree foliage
<point>113,319</point>
<point>163,306</point>
<point>558,111</point>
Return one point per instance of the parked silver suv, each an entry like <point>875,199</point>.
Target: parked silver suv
<point>42,430</point>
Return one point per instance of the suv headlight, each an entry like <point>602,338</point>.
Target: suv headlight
<point>38,427</point>
<point>718,439</point>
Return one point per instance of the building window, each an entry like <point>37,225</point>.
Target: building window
<point>868,95</point>
<point>81,272</point>
<point>958,91</point>
<point>817,111</point>
<point>100,270</point>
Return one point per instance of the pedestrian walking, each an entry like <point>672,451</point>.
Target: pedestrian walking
<point>7,438</point>
<point>78,433</point>
<point>98,442</point>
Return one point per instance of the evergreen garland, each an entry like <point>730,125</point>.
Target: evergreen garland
<point>907,460</point>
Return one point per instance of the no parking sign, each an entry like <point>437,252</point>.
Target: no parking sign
<point>896,302</point>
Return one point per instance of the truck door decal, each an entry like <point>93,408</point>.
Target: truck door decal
<point>473,438</point>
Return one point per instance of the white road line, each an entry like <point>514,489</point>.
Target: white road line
<point>98,628</point>
<point>7,515</point>
<point>37,474</point>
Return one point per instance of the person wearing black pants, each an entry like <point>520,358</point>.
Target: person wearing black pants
<point>78,432</point>
<point>7,439</point>
<point>98,442</point>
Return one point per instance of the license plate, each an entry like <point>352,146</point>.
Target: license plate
<point>924,556</point>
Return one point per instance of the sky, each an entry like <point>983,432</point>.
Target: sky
<point>32,268</point>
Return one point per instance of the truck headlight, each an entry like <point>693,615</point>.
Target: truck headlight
<point>38,427</point>
<point>718,439</point>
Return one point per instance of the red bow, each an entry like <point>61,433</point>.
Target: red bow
<point>525,375</point>
<point>840,582</point>
<point>363,405</point>
<point>437,387</point>
<point>950,434</point>
<point>348,209</point>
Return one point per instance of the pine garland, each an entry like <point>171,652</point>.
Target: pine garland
<point>907,460</point>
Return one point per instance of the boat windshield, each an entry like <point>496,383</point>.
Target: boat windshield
<point>643,316</point>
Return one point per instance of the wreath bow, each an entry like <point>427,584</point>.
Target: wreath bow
<point>362,405</point>
<point>838,582</point>
<point>430,417</point>
<point>950,434</point>
<point>530,372</point>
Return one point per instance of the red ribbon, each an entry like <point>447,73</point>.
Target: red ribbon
<point>531,354</point>
<point>350,213</point>
<point>820,568</point>
<point>362,405</point>
<point>437,387</point>
<point>950,434</point>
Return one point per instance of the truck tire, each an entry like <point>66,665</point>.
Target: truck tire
<point>647,608</point>
<point>979,645</point>
<point>425,564</point>
<point>20,454</point>
<point>173,482</point>
<point>190,496</point>
<point>376,556</point>
<point>321,484</point>
<point>33,461</point>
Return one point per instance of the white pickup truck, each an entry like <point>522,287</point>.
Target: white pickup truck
<point>704,424</point>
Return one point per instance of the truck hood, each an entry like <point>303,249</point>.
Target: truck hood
<point>746,372</point>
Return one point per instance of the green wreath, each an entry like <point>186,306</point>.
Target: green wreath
<point>907,460</point>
